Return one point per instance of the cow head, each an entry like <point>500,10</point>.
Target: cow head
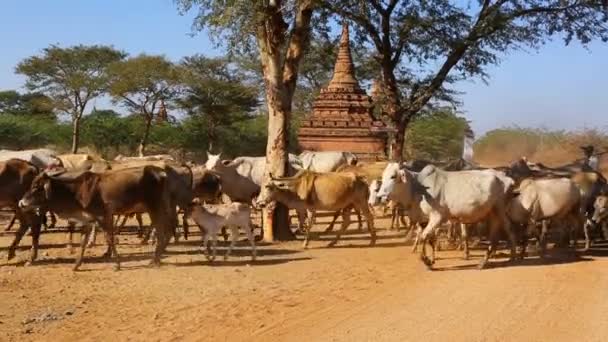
<point>271,189</point>
<point>212,160</point>
<point>38,194</point>
<point>390,177</point>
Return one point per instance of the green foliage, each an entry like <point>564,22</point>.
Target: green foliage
<point>109,133</point>
<point>70,76</point>
<point>215,92</point>
<point>11,102</point>
<point>140,83</point>
<point>18,132</point>
<point>436,135</point>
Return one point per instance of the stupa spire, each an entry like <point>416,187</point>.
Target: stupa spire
<point>344,70</point>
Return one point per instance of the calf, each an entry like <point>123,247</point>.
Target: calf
<point>212,217</point>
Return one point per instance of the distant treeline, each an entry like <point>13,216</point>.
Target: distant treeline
<point>552,147</point>
<point>435,135</point>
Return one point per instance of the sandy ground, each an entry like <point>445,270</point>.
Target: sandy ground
<point>347,293</point>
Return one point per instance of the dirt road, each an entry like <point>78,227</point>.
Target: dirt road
<point>347,293</point>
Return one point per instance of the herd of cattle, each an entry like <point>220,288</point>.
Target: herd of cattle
<point>512,200</point>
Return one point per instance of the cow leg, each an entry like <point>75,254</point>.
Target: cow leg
<point>506,226</point>
<point>92,241</point>
<point>84,239</point>
<point>465,240</point>
<point>305,228</point>
<point>250,236</point>
<point>359,218</point>
<point>370,222</point>
<point>586,231</point>
<point>10,225</point>
<point>404,223</point>
<point>409,230</point>
<point>71,237</point>
<point>53,220</point>
<point>417,240</point>
<point>124,221</point>
<point>493,242</point>
<point>163,219</point>
<point>313,217</point>
<point>333,221</point>
<point>524,242</point>
<point>108,227</point>
<point>225,233</point>
<point>394,218</point>
<point>185,225</point>
<point>205,246</point>
<point>345,224</point>
<point>213,248</point>
<point>542,241</point>
<point>145,236</point>
<point>140,224</point>
<point>35,239</point>
<point>23,227</point>
<point>235,233</point>
<point>431,226</point>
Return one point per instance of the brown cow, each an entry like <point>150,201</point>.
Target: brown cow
<point>179,181</point>
<point>16,176</point>
<point>333,191</point>
<point>94,198</point>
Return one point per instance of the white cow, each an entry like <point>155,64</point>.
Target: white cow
<point>539,200</point>
<point>42,158</point>
<point>463,196</point>
<point>327,161</point>
<point>250,167</point>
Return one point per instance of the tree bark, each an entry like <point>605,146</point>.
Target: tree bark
<point>144,139</point>
<point>75,133</point>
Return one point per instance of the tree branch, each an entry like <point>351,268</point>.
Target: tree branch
<point>300,37</point>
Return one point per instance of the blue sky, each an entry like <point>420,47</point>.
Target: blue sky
<point>557,87</point>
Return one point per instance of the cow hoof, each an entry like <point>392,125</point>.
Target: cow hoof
<point>331,244</point>
<point>155,263</point>
<point>225,257</point>
<point>11,254</point>
<point>425,260</point>
<point>372,243</point>
<point>481,265</point>
<point>116,268</point>
<point>76,268</point>
<point>28,263</point>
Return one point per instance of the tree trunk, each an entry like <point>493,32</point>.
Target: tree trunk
<point>280,69</point>
<point>276,226</point>
<point>144,139</point>
<point>75,133</point>
<point>210,137</point>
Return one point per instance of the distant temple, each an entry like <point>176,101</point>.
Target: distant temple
<point>342,119</point>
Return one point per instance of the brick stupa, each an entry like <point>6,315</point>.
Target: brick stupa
<point>342,119</point>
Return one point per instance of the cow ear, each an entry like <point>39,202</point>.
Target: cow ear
<point>88,188</point>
